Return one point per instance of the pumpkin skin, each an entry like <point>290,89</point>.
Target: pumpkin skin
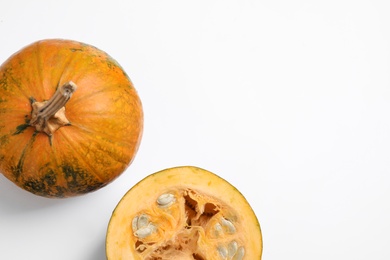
<point>104,125</point>
<point>183,213</point>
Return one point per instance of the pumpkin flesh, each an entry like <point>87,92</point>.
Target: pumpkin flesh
<point>183,213</point>
<point>105,119</point>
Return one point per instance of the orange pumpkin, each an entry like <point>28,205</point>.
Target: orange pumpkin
<point>70,118</point>
<point>183,213</point>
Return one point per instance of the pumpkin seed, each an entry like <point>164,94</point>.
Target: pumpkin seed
<point>139,222</point>
<point>240,254</point>
<point>218,230</point>
<point>143,221</point>
<point>145,231</point>
<point>228,226</point>
<point>232,248</point>
<point>166,200</point>
<point>134,223</point>
<point>223,251</point>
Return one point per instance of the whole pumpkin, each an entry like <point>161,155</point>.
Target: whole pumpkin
<point>71,120</point>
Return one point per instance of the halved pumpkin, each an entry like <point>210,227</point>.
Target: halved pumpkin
<point>70,118</point>
<point>183,213</point>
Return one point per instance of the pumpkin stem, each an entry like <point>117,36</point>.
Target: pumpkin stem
<point>49,115</point>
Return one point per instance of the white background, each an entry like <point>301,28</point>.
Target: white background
<point>287,100</point>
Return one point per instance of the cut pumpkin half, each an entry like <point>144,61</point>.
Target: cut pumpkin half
<point>183,213</point>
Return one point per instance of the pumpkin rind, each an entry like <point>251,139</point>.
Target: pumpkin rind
<point>105,114</point>
<point>176,213</point>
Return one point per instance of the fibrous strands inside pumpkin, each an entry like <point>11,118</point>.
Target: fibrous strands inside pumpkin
<point>185,224</point>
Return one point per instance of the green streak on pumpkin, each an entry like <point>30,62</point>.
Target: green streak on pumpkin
<point>4,140</point>
<point>50,178</point>
<point>34,186</point>
<point>18,170</point>
<point>3,82</point>
<point>79,180</point>
<point>20,129</point>
<point>7,76</point>
<point>45,186</point>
